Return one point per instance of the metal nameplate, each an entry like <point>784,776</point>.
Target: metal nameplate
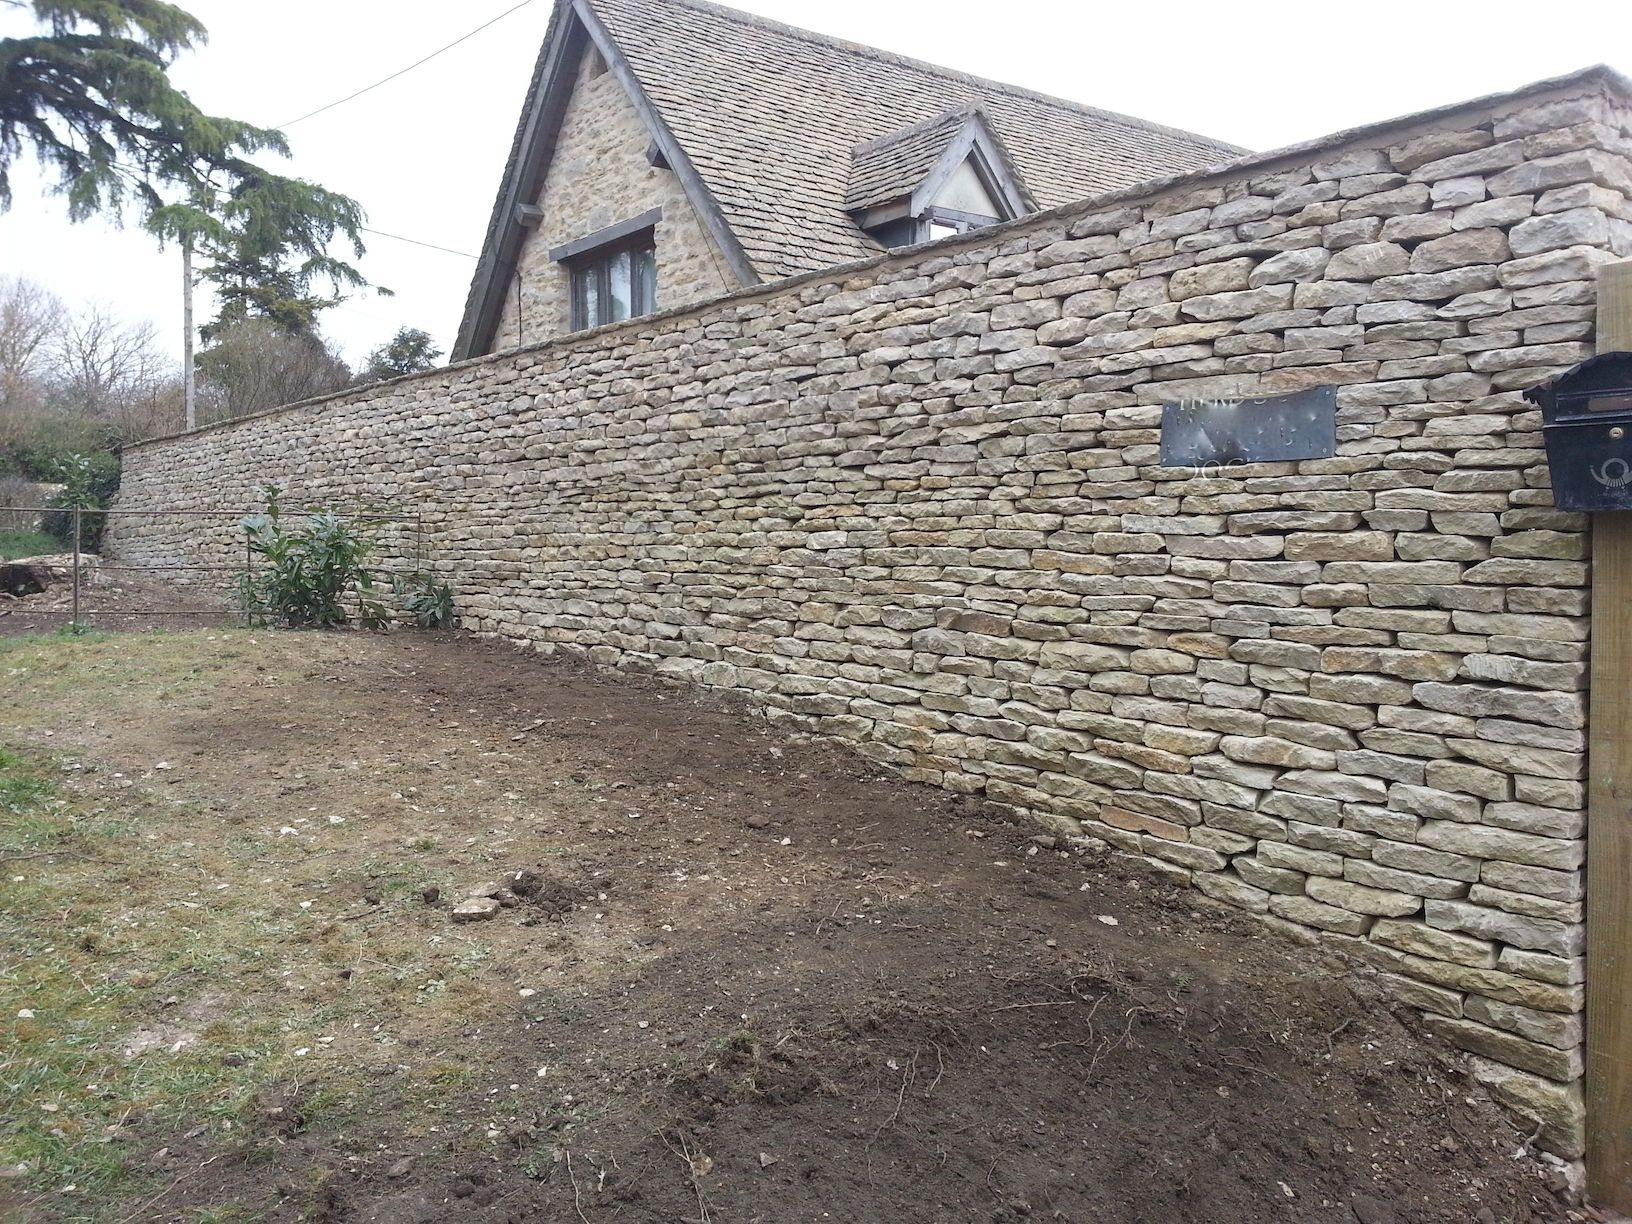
<point>1302,425</point>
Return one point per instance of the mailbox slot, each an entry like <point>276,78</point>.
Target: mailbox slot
<point>1590,405</point>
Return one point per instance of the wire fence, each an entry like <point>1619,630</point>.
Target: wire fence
<point>197,575</point>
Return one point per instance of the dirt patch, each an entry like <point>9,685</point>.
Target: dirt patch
<point>552,898</point>
<point>36,596</point>
<point>737,978</point>
<point>181,1024</point>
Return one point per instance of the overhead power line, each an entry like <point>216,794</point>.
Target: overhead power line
<point>401,71</point>
<point>417,242</point>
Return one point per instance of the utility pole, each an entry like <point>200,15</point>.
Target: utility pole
<point>187,331</point>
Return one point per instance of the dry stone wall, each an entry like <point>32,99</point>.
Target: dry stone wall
<point>916,504</point>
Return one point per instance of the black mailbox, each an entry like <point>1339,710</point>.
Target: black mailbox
<point>1587,428</point>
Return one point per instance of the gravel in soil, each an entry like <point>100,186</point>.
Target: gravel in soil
<point>735,976</point>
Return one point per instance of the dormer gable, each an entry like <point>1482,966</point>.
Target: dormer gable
<point>943,176</point>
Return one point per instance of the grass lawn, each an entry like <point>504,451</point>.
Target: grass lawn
<point>123,931</point>
<point>14,544</point>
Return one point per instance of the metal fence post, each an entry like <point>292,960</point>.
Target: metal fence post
<point>77,513</point>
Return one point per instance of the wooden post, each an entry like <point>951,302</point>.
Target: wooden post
<point>1609,817</point>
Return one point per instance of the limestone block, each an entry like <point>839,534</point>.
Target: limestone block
<point>1361,899</point>
<point>1375,875</point>
<point>1271,879</point>
<point>1559,1107</point>
<point>1340,546</point>
<point>1564,884</point>
<point>1465,248</point>
<point>1507,1048</point>
<point>1479,161</point>
<point>1323,917</point>
<point>1451,192</point>
<point>1232,890</point>
<point>1405,856</point>
<point>1238,305</point>
<point>1434,146</point>
<point>1421,995</point>
<point>1368,262</point>
<point>1537,934</point>
<point>1290,267</point>
<point>1210,278</point>
<point>1423,940</point>
<point>1544,967</point>
<point>1575,263</point>
<point>1558,230</point>
<point>1288,857</point>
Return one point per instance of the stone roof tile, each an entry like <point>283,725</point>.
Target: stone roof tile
<point>770,117</point>
<point>893,165</point>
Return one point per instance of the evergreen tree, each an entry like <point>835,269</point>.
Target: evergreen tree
<point>265,246</point>
<point>90,94</point>
<point>408,352</point>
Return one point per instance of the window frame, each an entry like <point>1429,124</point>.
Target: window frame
<point>591,256</point>
<point>953,220</point>
<point>596,265</point>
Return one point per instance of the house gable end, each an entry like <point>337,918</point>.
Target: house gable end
<point>524,214</point>
<point>615,233</point>
<point>758,123</point>
<point>667,146</point>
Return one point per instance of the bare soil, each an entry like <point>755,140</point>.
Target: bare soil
<point>746,978</point>
<point>113,597</point>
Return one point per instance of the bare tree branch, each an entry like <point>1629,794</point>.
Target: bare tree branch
<point>30,316</point>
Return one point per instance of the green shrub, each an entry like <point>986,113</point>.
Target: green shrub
<point>429,602</point>
<point>43,442</point>
<point>88,484</point>
<point>308,575</point>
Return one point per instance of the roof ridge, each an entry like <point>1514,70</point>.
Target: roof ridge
<point>952,74</point>
<point>960,113</point>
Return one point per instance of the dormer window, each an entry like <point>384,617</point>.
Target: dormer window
<point>933,180</point>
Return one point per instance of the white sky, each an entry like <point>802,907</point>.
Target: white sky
<point>423,154</point>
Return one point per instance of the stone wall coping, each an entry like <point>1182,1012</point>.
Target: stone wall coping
<point>1570,84</point>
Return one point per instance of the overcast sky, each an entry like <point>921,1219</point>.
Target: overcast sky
<point>423,153</point>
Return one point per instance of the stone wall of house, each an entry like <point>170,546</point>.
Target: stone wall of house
<point>599,177</point>
<point>916,504</point>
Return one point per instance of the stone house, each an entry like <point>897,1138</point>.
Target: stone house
<point>674,151</point>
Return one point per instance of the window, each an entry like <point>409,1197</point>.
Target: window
<point>941,222</point>
<point>611,284</point>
